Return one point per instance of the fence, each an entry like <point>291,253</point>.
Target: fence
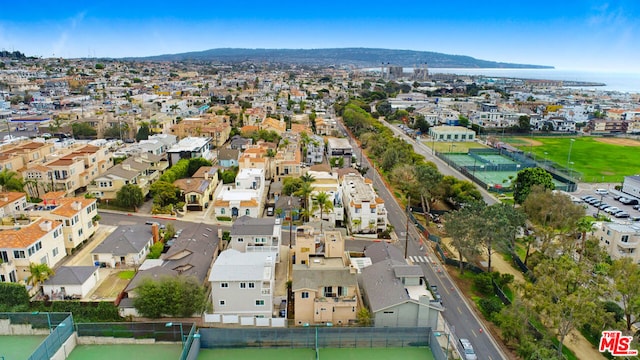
<point>159,331</point>
<point>191,346</point>
<point>308,337</point>
<point>60,332</point>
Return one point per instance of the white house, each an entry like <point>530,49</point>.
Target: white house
<point>451,133</point>
<point>73,282</point>
<point>249,234</point>
<point>242,284</point>
<point>364,209</point>
<point>620,240</point>
<point>245,198</point>
<point>328,183</point>
<point>127,245</point>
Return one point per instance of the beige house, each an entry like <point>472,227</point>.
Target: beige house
<point>288,159</point>
<point>76,214</point>
<point>142,170</point>
<point>41,242</point>
<point>216,127</point>
<point>324,286</point>
<point>197,191</point>
<point>255,157</point>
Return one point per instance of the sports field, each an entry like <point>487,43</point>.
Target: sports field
<point>596,159</point>
<point>407,353</point>
<point>138,352</point>
<point>18,347</point>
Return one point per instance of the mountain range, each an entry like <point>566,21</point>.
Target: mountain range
<point>361,57</point>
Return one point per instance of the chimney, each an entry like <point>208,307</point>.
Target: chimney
<point>76,205</point>
<point>4,197</point>
<point>155,232</point>
<point>46,226</point>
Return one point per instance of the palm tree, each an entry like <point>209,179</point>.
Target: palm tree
<point>308,178</point>
<point>39,274</point>
<point>9,181</point>
<point>304,192</point>
<point>323,201</point>
<point>584,225</point>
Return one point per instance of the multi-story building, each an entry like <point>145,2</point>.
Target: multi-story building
<point>339,148</point>
<point>216,127</point>
<point>245,198</point>
<point>314,150</point>
<point>328,183</point>
<point>191,147</point>
<point>12,203</point>
<point>619,240</point>
<point>242,283</point>
<point>325,287</point>
<point>256,234</point>
<point>364,209</point>
<point>287,161</point>
<point>41,242</point>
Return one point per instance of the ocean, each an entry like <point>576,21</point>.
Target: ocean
<point>615,81</point>
<point>625,82</point>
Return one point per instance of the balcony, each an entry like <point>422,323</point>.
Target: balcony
<point>631,244</point>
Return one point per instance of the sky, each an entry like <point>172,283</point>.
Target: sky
<point>568,34</point>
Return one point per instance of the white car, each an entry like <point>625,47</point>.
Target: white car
<point>469,354</point>
<point>602,191</point>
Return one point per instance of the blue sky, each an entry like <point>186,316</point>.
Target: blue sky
<point>571,34</point>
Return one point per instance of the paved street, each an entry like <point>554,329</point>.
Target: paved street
<point>458,313</point>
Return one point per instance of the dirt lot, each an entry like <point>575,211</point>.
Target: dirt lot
<point>618,141</point>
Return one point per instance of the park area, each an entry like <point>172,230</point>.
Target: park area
<point>590,159</point>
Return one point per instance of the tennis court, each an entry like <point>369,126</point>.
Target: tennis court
<point>19,347</point>
<point>498,159</point>
<point>126,351</point>
<point>500,178</point>
<point>405,353</point>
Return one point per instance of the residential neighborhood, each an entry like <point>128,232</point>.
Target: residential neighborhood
<point>297,198</point>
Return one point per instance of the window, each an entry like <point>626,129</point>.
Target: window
<point>259,302</point>
<point>252,285</point>
<point>240,240</point>
<point>304,295</point>
<point>247,212</point>
<point>625,238</point>
<point>18,254</point>
<point>328,291</point>
<point>243,285</point>
<point>342,291</point>
<point>222,302</point>
<point>224,285</point>
<point>373,210</point>
<point>222,211</point>
<point>55,252</point>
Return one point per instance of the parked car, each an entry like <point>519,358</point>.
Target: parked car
<point>612,210</point>
<point>595,203</point>
<point>622,215</point>
<point>586,197</point>
<point>636,207</point>
<point>604,206</point>
<point>602,191</point>
<point>628,201</point>
<point>469,353</point>
<point>617,197</point>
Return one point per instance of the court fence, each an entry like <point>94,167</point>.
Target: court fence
<point>60,333</point>
<point>315,336</point>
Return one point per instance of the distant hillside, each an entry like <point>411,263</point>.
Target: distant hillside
<point>363,57</point>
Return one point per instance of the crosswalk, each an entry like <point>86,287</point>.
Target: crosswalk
<point>417,259</point>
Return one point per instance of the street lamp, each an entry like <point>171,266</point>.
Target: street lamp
<point>569,156</point>
<point>170,324</point>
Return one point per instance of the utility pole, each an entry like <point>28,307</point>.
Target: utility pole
<point>406,238</point>
<point>290,222</point>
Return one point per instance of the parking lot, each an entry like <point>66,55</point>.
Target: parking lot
<point>606,201</point>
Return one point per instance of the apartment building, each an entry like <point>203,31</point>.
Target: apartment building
<point>328,183</point>
<point>256,234</point>
<point>217,127</point>
<point>77,216</point>
<point>245,198</point>
<point>619,240</point>
<point>191,147</point>
<point>41,242</point>
<point>364,209</point>
<point>314,153</point>
<point>287,161</point>
<point>256,157</point>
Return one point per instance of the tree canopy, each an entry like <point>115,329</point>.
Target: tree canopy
<point>180,296</point>
<point>529,177</point>
<point>130,196</point>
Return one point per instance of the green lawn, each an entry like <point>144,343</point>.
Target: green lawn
<point>594,161</point>
<point>126,274</point>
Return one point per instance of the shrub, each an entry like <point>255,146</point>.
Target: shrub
<point>490,306</point>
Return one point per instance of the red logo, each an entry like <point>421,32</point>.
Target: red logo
<point>616,344</point>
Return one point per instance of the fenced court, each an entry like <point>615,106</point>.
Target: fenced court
<point>126,351</point>
<point>417,353</point>
<point>19,347</point>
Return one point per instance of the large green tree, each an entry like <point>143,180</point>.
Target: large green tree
<point>143,132</point>
<point>11,295</point>
<point>499,228</point>
<point>195,164</point>
<point>165,193</point>
<point>130,196</point>
<point>180,296</point>
<point>626,282</point>
<point>528,178</point>
<point>83,130</point>
<point>461,226</point>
